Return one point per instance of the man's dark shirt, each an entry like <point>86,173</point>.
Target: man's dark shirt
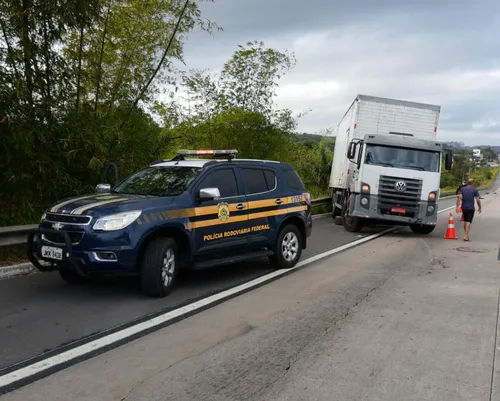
<point>469,194</point>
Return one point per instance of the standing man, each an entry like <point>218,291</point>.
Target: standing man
<point>465,201</point>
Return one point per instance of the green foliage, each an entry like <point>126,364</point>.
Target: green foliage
<point>248,81</point>
<point>71,75</point>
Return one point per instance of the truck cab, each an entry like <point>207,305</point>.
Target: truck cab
<point>394,179</point>
<point>387,164</point>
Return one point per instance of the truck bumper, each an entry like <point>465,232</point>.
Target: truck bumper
<point>88,262</point>
<point>421,213</point>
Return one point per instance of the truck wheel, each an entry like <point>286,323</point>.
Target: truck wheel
<point>288,248</point>
<point>159,267</point>
<point>351,224</point>
<point>422,228</point>
<point>70,276</point>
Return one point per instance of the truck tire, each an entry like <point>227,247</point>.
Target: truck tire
<point>71,276</point>
<point>351,224</point>
<point>288,247</point>
<point>159,267</point>
<point>422,228</point>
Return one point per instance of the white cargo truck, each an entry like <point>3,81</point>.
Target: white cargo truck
<point>387,165</point>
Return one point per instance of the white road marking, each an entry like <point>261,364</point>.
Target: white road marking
<point>66,356</point>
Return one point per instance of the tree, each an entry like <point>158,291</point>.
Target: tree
<point>71,74</point>
<point>250,132</point>
<point>248,81</point>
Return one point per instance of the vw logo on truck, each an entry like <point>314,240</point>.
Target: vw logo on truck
<point>400,186</point>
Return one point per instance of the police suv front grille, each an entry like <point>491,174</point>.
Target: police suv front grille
<point>389,196</point>
<point>68,219</point>
<point>75,236</point>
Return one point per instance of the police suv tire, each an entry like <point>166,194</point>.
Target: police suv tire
<point>153,281</point>
<point>422,229</point>
<point>70,276</point>
<point>278,259</point>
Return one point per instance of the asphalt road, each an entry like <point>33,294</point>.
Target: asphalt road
<point>40,312</point>
<point>399,318</point>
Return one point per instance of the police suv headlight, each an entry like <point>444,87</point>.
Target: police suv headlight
<point>116,221</point>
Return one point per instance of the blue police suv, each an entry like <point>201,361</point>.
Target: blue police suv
<point>200,209</point>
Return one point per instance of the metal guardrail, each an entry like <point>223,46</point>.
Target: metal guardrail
<point>17,235</point>
<point>321,201</point>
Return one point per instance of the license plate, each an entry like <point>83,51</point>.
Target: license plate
<point>50,252</point>
<point>400,210</point>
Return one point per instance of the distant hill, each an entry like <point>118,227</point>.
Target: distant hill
<point>307,137</point>
<point>462,146</point>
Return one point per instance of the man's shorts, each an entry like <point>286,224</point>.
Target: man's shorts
<point>468,215</point>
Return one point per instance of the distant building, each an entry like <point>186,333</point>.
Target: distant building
<point>476,153</point>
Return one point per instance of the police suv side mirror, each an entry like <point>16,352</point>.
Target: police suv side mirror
<point>103,188</point>
<point>208,194</point>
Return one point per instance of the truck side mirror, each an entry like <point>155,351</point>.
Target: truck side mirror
<point>106,172</point>
<point>448,161</point>
<point>351,151</point>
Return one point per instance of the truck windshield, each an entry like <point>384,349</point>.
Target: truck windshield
<point>158,181</point>
<point>390,156</point>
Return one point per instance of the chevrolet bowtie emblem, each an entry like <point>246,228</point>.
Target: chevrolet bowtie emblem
<point>57,226</point>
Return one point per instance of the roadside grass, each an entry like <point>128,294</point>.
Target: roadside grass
<point>484,180</point>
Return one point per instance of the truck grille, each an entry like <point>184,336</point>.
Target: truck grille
<point>58,239</point>
<point>389,196</point>
<point>68,219</point>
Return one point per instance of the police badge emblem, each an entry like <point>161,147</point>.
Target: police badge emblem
<point>223,211</point>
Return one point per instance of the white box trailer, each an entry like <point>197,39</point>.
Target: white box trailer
<point>370,115</point>
<point>387,164</point>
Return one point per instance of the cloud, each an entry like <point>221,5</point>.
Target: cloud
<point>442,53</point>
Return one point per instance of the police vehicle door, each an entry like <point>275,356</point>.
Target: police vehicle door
<point>263,203</point>
<point>221,225</point>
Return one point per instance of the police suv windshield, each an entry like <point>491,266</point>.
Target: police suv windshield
<point>390,156</point>
<point>158,181</point>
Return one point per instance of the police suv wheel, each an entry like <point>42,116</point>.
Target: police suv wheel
<point>159,267</point>
<point>288,247</point>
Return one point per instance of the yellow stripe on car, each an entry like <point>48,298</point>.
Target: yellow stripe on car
<point>60,205</point>
<point>81,209</point>
<point>214,210</point>
<point>253,216</point>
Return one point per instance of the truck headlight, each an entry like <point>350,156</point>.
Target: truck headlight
<point>365,188</point>
<point>116,221</point>
<point>432,196</point>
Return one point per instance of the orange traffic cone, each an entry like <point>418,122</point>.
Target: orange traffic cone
<point>450,232</point>
<point>461,211</point>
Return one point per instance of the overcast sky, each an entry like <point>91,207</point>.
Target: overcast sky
<point>441,52</point>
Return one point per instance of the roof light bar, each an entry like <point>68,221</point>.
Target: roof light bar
<point>209,152</point>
